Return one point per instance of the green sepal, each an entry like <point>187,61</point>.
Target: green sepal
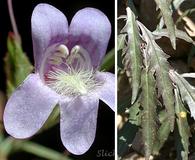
<point>17,65</point>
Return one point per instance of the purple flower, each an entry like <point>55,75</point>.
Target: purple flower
<point>66,63</point>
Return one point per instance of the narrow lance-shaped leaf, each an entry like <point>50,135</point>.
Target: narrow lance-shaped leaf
<point>188,75</point>
<point>162,135</point>
<point>174,5</point>
<point>179,34</point>
<point>167,16</point>
<point>177,3</point>
<point>183,15</point>
<point>131,5</point>
<point>121,41</point>
<point>148,102</point>
<point>132,57</point>
<point>186,90</point>
<point>161,66</point>
<point>183,127</point>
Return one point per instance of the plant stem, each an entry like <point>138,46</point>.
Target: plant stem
<point>13,22</point>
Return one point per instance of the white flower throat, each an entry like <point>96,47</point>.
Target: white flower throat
<point>78,77</point>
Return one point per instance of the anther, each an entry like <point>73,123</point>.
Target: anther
<point>64,50</point>
<point>78,51</point>
<point>75,49</point>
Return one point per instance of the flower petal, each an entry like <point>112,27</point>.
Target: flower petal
<point>49,26</point>
<point>29,107</point>
<point>78,124</point>
<point>91,29</point>
<point>107,92</point>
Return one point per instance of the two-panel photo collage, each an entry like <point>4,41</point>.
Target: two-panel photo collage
<point>97,80</point>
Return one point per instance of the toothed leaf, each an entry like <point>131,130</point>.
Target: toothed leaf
<point>177,3</point>
<point>148,102</point>
<point>183,128</point>
<point>162,135</point>
<point>179,34</point>
<point>167,16</point>
<point>161,66</point>
<point>132,56</point>
<point>121,41</point>
<point>186,90</point>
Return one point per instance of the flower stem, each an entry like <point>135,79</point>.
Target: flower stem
<point>6,147</point>
<point>10,145</point>
<point>41,151</point>
<point>13,22</point>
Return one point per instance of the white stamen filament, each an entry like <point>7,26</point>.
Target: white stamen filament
<point>80,54</point>
<point>77,78</point>
<point>55,60</point>
<point>83,54</point>
<point>73,82</point>
<point>59,54</point>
